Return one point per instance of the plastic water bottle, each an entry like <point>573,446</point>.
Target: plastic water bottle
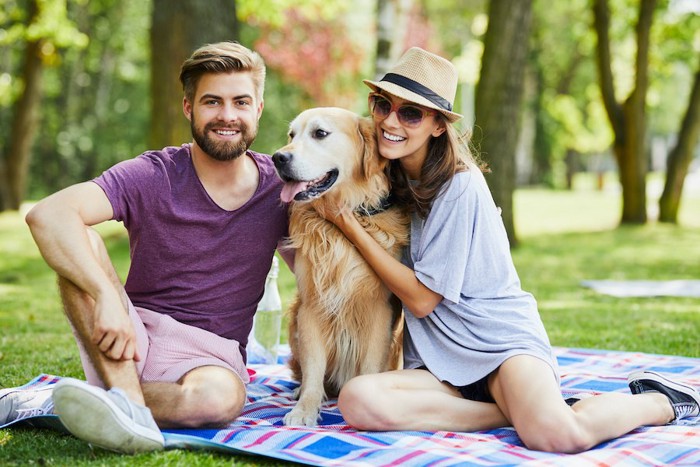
<point>264,338</point>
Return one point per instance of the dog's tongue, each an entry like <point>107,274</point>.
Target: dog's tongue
<point>290,190</point>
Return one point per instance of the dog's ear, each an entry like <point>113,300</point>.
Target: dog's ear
<point>372,162</point>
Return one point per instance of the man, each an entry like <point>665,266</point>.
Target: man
<point>204,220</point>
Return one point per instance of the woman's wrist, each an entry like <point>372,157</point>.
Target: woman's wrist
<point>347,223</point>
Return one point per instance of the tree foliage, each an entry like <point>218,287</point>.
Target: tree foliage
<point>97,99</point>
<point>319,56</point>
<point>44,29</point>
<point>564,99</point>
<point>272,13</point>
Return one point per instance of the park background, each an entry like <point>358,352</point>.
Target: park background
<point>587,112</point>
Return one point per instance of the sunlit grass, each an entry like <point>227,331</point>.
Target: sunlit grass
<point>553,266</point>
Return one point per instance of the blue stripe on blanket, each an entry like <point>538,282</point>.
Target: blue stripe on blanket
<point>259,430</point>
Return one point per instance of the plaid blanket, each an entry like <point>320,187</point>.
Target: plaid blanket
<point>259,430</point>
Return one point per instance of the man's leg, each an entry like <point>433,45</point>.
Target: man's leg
<point>116,419</point>
<point>79,308</point>
<point>192,377</point>
<point>208,396</point>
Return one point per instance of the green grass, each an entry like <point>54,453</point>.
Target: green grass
<point>565,237</point>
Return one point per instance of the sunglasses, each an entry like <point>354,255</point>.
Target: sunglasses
<point>409,115</point>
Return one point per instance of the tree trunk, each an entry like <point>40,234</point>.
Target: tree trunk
<point>386,16</point>
<point>541,170</point>
<point>680,157</point>
<point>179,27</point>
<point>24,122</point>
<point>498,98</point>
<point>629,119</point>
<point>391,23</point>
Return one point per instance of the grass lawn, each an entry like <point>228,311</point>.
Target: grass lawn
<point>565,237</point>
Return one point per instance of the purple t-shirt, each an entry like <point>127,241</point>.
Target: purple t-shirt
<point>191,259</point>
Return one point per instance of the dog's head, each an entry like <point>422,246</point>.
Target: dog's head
<point>329,150</point>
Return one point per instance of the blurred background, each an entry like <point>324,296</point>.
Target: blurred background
<point>601,95</point>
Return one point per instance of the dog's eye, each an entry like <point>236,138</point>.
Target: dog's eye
<point>320,134</point>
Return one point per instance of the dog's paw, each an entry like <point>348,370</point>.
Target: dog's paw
<point>299,417</point>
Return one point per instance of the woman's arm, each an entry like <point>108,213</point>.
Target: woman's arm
<point>398,278</point>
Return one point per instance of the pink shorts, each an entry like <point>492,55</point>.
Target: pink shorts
<point>170,349</point>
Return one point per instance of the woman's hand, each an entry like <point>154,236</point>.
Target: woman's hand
<point>400,279</point>
<point>342,217</point>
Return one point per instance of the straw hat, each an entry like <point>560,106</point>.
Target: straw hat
<point>422,78</point>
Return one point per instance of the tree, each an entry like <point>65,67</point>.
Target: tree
<point>178,28</point>
<point>498,98</point>
<point>93,113</point>
<point>386,18</point>
<point>680,157</point>
<point>628,119</point>
<point>46,29</point>
<point>311,52</point>
<point>566,109</point>
<point>24,123</point>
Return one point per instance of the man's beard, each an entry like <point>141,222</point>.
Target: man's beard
<point>222,150</point>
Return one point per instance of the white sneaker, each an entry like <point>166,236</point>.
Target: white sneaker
<point>17,403</point>
<point>108,419</point>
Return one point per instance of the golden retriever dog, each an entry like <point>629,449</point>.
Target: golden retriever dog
<point>344,322</point>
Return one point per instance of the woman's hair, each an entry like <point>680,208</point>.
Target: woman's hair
<point>222,57</point>
<point>448,154</point>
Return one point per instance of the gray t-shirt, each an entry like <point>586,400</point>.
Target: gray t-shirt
<point>461,252</point>
<point>191,259</point>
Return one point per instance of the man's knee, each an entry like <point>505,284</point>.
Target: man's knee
<point>219,397</point>
<point>219,411</point>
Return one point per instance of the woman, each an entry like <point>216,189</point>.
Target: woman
<point>476,354</point>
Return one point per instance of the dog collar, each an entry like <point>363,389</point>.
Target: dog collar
<point>384,204</point>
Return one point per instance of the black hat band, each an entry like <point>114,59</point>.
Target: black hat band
<point>416,87</point>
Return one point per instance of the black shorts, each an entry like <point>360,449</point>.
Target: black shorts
<point>477,391</point>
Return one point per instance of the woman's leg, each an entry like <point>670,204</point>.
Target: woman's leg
<point>413,400</point>
<point>526,390</point>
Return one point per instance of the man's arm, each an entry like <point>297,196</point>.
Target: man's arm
<point>287,254</point>
<point>58,224</point>
<point>59,227</point>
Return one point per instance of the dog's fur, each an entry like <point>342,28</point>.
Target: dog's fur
<point>344,321</point>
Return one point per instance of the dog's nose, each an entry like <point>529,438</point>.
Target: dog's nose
<point>282,158</point>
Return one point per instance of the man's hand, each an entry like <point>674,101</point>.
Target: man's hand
<point>113,332</point>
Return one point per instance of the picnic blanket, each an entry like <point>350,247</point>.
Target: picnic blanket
<point>259,430</point>
<point>642,288</point>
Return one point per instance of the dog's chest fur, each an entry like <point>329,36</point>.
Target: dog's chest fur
<point>333,263</point>
<point>346,296</point>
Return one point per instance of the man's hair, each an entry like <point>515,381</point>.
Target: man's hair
<point>222,57</point>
